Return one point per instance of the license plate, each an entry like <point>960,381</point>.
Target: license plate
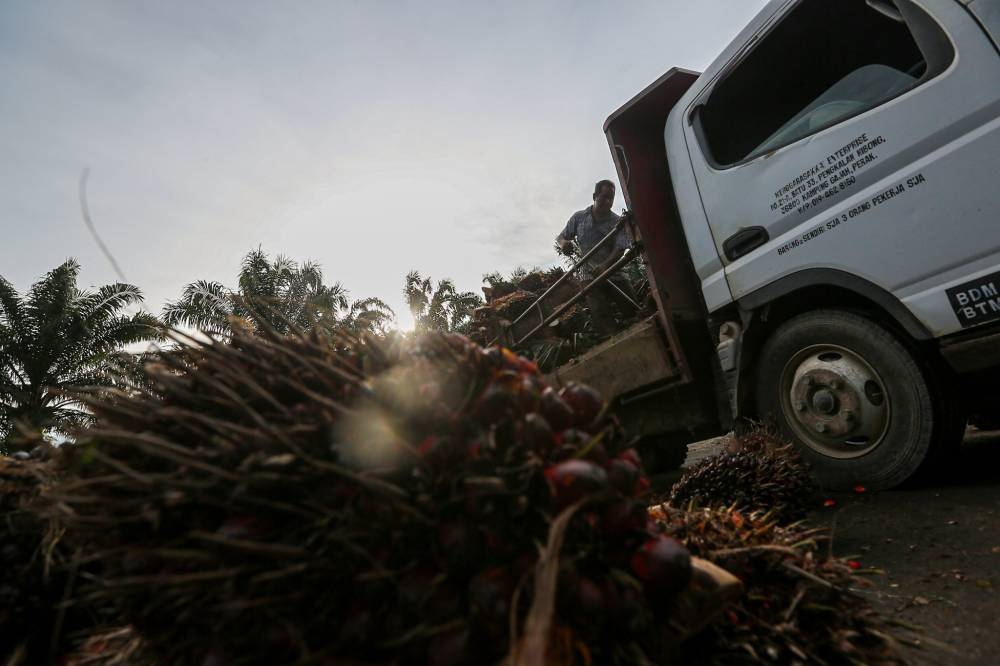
<point>977,301</point>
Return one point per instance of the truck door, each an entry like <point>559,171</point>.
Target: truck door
<point>857,136</point>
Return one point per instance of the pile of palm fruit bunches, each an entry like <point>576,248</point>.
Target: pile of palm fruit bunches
<point>286,500</point>
<point>510,297</point>
<point>565,337</point>
<point>26,594</point>
<point>757,469</point>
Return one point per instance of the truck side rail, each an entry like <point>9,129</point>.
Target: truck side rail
<point>536,307</point>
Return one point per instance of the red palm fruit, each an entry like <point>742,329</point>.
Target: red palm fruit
<point>588,599</point>
<point>662,564</point>
<point>474,447</point>
<point>519,363</point>
<point>572,480</point>
<point>430,446</point>
<point>555,410</point>
<point>529,367</point>
<point>508,380</point>
<point>493,358</point>
<point>632,456</point>
<point>538,433</point>
<point>496,404</point>
<point>623,518</point>
<point>595,453</point>
<point>624,475</point>
<point>585,402</point>
<point>572,437</point>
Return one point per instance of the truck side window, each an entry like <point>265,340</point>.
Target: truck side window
<point>823,63</point>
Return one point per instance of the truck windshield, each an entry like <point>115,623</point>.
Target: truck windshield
<point>861,89</point>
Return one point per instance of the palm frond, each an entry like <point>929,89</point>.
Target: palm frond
<point>11,307</point>
<point>203,305</point>
<point>48,298</point>
<point>57,336</point>
<point>107,300</point>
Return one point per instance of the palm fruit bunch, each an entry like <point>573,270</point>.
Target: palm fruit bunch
<point>288,500</point>
<point>797,607</point>
<point>28,593</point>
<point>757,471</point>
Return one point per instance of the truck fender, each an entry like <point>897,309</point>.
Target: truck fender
<point>761,311</point>
<point>831,277</point>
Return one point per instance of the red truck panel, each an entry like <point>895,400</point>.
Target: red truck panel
<point>635,135</point>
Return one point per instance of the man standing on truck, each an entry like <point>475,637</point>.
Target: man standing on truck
<point>589,226</point>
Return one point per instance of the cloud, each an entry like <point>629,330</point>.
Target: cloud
<point>453,138</point>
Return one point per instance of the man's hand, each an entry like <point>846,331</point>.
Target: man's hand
<point>566,247</point>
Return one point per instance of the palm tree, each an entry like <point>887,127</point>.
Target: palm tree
<point>366,315</point>
<point>441,307</point>
<point>58,339</point>
<point>277,295</point>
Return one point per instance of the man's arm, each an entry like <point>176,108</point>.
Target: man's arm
<point>565,238</point>
<point>623,242</point>
<point>565,246</point>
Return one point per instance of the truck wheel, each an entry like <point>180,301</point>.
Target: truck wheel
<point>852,398</point>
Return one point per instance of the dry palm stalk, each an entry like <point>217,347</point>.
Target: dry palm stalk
<point>796,609</point>
<point>32,587</point>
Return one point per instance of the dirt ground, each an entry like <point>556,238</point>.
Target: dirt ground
<point>932,554</point>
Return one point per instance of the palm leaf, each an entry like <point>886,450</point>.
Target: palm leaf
<point>57,336</point>
<point>204,305</point>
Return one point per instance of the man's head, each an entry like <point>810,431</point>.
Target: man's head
<point>604,196</point>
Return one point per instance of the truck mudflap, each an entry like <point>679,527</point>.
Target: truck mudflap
<point>638,358</point>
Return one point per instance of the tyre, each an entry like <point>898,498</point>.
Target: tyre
<point>854,400</point>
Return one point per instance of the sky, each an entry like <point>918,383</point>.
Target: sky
<point>449,137</point>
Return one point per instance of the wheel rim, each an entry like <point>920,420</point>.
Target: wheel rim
<point>834,401</point>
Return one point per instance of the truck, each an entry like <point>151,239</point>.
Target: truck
<point>819,218</point>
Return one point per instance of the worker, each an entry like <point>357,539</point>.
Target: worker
<point>588,227</point>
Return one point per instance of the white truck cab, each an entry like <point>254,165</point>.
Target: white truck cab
<point>836,177</point>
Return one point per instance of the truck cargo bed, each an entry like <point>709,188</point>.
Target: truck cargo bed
<point>632,360</point>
